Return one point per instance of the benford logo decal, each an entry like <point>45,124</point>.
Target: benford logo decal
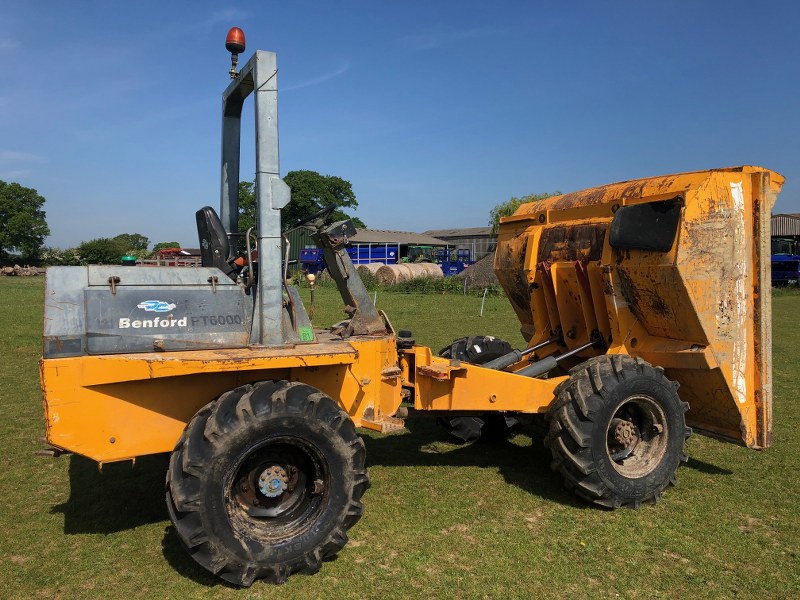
<point>125,323</point>
<point>158,306</point>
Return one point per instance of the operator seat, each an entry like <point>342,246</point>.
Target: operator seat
<point>215,249</point>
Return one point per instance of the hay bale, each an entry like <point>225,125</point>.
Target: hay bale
<point>394,274</point>
<point>368,269</point>
<point>430,270</point>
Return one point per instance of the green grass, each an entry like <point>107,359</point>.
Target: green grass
<point>441,521</point>
<point>434,319</point>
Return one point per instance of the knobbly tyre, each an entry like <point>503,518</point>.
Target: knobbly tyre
<point>624,293</point>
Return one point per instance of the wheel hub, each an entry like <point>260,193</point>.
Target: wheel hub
<point>273,481</point>
<point>625,433</point>
<point>635,439</point>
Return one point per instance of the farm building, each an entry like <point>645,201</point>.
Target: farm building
<point>378,245</point>
<point>372,245</point>
<point>785,233</point>
<point>172,257</point>
<point>480,241</point>
<point>299,239</point>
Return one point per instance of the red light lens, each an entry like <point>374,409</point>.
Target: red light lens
<point>234,43</point>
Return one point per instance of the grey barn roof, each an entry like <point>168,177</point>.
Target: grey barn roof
<point>464,232</point>
<point>384,236</point>
<point>785,224</point>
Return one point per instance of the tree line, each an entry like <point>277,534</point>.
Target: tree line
<point>23,224</point>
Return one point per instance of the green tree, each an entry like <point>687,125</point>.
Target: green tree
<point>101,251</point>
<point>508,208</point>
<point>311,192</point>
<point>67,257</point>
<point>132,241</point>
<point>22,221</point>
<point>247,206</point>
<point>162,245</point>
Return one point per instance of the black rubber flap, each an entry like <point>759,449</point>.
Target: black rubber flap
<point>650,226</point>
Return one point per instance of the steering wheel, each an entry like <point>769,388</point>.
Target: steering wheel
<point>319,215</point>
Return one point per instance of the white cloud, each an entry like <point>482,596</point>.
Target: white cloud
<point>341,70</point>
<point>14,156</point>
<point>15,174</point>
<point>435,39</point>
<point>16,163</point>
<point>227,16</point>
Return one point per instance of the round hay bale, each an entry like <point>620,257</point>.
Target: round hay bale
<point>370,268</point>
<point>394,274</point>
<point>429,270</point>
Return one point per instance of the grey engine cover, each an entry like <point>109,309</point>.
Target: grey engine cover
<point>149,309</point>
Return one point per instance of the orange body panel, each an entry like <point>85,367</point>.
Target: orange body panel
<point>116,407</point>
<point>442,384</point>
<point>701,309</point>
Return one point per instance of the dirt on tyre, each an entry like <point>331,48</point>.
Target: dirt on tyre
<point>617,431</point>
<point>265,481</point>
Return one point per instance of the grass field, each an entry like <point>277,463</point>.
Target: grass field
<point>441,521</point>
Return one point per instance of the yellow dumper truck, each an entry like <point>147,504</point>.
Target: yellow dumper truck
<point>645,305</point>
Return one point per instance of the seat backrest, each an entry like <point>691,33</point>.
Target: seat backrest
<point>215,249</point>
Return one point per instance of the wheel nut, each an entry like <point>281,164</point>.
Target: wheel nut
<point>272,481</point>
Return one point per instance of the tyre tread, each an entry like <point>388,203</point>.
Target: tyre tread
<point>570,425</point>
<point>194,449</point>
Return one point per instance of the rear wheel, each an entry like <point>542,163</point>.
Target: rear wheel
<point>617,431</point>
<point>265,481</point>
<point>495,426</point>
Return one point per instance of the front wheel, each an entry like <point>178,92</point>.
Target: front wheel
<point>265,481</point>
<point>617,431</point>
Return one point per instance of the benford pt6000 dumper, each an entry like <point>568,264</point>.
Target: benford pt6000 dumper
<point>623,292</point>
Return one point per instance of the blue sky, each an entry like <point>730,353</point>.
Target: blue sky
<point>435,111</point>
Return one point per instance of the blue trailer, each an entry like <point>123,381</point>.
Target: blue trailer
<point>312,261</point>
<point>785,269</point>
<point>453,262</point>
<point>362,254</point>
<point>785,261</point>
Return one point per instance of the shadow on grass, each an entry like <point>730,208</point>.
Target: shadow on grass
<point>704,467</point>
<point>125,496</point>
<point>122,496</point>
<point>428,444</point>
